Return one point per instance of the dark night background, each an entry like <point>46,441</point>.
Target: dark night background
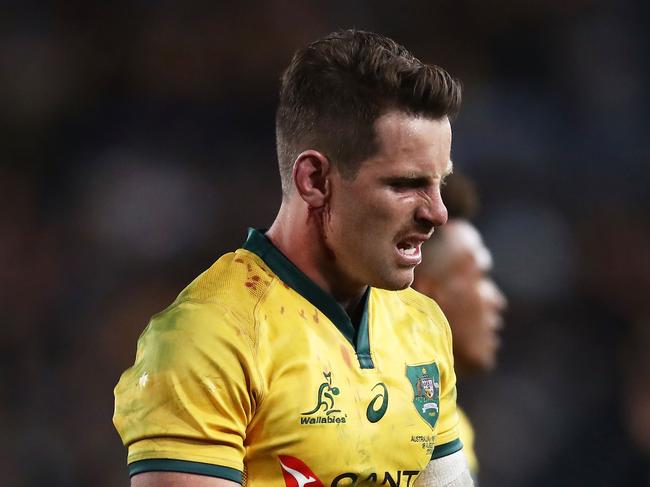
<point>137,145</point>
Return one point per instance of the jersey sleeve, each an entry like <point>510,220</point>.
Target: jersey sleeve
<point>447,436</point>
<point>185,404</point>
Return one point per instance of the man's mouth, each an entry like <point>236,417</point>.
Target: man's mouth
<point>409,251</point>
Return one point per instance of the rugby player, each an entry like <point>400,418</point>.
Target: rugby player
<point>304,358</point>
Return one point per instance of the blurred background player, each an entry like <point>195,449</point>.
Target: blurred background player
<point>111,112</point>
<point>455,272</point>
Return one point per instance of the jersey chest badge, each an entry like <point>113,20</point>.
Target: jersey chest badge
<point>425,381</point>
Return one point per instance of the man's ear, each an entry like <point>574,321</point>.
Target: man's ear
<point>311,174</point>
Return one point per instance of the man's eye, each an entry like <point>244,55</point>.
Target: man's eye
<point>407,184</point>
<point>400,185</point>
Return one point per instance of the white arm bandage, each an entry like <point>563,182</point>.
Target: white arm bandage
<point>449,471</point>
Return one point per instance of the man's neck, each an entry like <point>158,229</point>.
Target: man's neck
<point>299,236</point>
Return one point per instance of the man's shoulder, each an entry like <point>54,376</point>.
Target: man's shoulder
<point>416,323</point>
<point>416,306</point>
<point>235,279</point>
<point>226,293</point>
<point>411,298</point>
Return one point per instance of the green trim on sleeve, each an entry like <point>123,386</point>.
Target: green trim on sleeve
<point>185,466</point>
<point>447,449</point>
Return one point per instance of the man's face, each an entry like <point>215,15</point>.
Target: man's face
<point>378,220</point>
<point>469,297</point>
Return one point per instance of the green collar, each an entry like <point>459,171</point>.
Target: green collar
<point>298,281</point>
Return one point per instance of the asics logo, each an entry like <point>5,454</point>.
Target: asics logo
<point>379,404</point>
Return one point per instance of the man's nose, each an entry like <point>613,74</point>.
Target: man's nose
<point>432,210</point>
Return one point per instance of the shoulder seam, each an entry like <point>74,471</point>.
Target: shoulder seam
<point>253,339</point>
<point>256,341</point>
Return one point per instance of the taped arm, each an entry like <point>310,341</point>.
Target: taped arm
<point>448,471</point>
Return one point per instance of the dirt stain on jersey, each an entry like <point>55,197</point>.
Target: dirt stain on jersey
<point>346,356</point>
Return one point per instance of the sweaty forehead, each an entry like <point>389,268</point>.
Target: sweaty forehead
<point>407,125</point>
<point>417,143</point>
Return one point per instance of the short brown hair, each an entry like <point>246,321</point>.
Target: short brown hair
<point>335,89</point>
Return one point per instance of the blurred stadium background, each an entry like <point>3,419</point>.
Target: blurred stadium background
<point>137,145</point>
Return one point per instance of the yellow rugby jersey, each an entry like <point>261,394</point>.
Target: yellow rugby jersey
<point>256,375</point>
<point>467,438</point>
